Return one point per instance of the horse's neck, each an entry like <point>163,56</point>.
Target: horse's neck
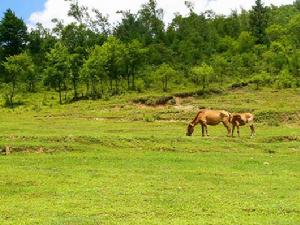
<point>196,119</point>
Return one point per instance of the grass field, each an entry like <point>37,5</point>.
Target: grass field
<point>115,162</point>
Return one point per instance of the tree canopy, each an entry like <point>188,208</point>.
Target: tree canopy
<point>92,58</point>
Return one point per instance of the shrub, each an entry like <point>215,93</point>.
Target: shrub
<point>285,80</point>
<point>261,79</point>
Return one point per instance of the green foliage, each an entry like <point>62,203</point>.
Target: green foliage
<point>58,69</point>
<point>17,68</point>
<point>105,60</point>
<point>134,57</point>
<point>285,80</point>
<point>295,63</point>
<point>245,42</point>
<point>221,66</point>
<point>276,32</point>
<point>13,34</point>
<point>93,71</point>
<point>152,26</point>
<point>40,42</point>
<point>261,79</point>
<point>191,38</point>
<point>165,73</point>
<point>294,30</point>
<point>258,21</point>
<point>202,75</point>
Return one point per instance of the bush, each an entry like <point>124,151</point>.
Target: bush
<point>140,85</point>
<point>285,80</point>
<point>261,79</point>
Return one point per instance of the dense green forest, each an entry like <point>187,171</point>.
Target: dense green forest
<point>92,59</point>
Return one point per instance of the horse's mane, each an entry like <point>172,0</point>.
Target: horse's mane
<point>196,117</point>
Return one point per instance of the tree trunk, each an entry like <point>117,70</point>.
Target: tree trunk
<point>111,84</point>
<point>133,77</point>
<point>75,88</point>
<point>133,81</point>
<point>66,90</point>
<point>128,77</point>
<point>87,88</point>
<point>59,92</point>
<point>166,84</point>
<point>31,86</point>
<point>12,94</point>
<point>102,89</point>
<point>93,91</point>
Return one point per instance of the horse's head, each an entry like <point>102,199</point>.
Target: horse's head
<point>190,129</point>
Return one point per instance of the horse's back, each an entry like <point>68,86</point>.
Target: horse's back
<point>214,117</point>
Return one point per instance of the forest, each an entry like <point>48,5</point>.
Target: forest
<point>92,59</point>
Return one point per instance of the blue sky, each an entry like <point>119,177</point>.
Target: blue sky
<point>22,8</point>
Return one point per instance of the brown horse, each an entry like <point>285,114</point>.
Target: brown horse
<point>240,119</point>
<point>210,117</point>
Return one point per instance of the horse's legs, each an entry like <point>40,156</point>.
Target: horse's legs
<point>252,130</point>
<point>202,128</point>
<point>233,127</point>
<point>205,127</point>
<point>238,129</point>
<point>227,125</point>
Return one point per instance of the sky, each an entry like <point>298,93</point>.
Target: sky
<point>42,11</point>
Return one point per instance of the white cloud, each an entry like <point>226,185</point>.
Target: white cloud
<point>59,8</point>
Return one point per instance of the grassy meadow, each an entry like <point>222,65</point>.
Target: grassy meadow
<point>116,162</point>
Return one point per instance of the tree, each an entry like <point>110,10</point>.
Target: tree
<point>258,22</point>
<point>105,61</point>
<point>18,68</point>
<point>276,32</point>
<point>260,79</point>
<point>220,65</point>
<point>13,34</point>
<point>297,4</point>
<point>285,80</point>
<point>245,42</point>
<point>40,42</point>
<point>134,57</point>
<point>202,74</point>
<point>95,22</point>
<point>294,30</point>
<point>114,51</point>
<point>93,71</point>
<point>276,57</point>
<point>152,26</point>
<point>295,63</point>
<point>232,25</point>
<point>192,38</point>
<point>165,73</point>
<point>58,69</point>
<point>78,39</point>
<point>130,28</point>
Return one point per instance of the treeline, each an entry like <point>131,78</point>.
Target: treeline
<point>90,58</point>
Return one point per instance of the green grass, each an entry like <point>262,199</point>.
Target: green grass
<point>106,162</point>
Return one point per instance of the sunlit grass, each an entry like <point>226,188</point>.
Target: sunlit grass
<point>101,162</point>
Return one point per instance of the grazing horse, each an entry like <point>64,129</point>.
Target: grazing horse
<point>210,117</point>
<point>240,119</point>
